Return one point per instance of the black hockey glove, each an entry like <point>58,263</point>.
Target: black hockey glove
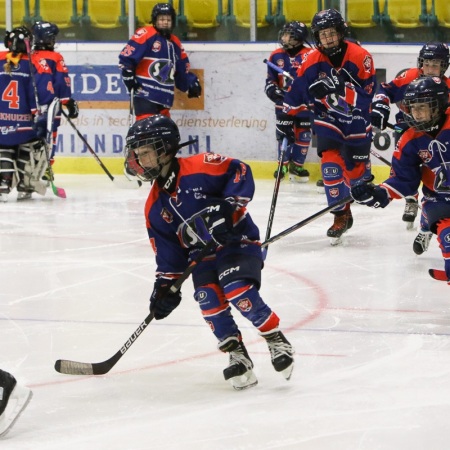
<point>370,195</point>
<point>40,126</point>
<point>274,93</point>
<point>380,114</point>
<point>72,108</point>
<point>129,80</point>
<point>327,85</point>
<point>162,301</point>
<point>216,223</point>
<point>285,127</point>
<point>195,89</point>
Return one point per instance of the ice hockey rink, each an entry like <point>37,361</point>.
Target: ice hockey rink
<point>370,329</point>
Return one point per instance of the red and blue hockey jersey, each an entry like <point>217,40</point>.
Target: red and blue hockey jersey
<point>194,181</point>
<point>17,102</point>
<point>160,65</point>
<point>341,118</point>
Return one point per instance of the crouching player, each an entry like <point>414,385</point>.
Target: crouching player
<point>192,201</point>
<point>422,154</point>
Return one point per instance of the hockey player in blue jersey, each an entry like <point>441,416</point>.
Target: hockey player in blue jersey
<point>153,63</point>
<point>22,148</point>
<point>421,155</point>
<point>194,200</point>
<point>291,38</point>
<point>338,78</point>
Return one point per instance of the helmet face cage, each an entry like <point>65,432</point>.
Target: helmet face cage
<point>430,91</point>
<point>297,33</point>
<point>15,39</point>
<point>328,18</point>
<point>435,50</point>
<point>44,34</point>
<point>163,9</point>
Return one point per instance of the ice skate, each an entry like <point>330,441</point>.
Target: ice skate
<point>297,174</point>
<point>281,352</point>
<point>3,198</point>
<point>320,187</point>
<point>239,370</point>
<point>343,221</point>
<point>410,212</point>
<point>23,195</point>
<point>4,191</point>
<point>13,400</point>
<point>421,242</point>
<point>284,171</point>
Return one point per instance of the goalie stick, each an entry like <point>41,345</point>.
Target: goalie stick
<point>51,113</point>
<point>307,220</point>
<point>128,184</point>
<point>81,368</point>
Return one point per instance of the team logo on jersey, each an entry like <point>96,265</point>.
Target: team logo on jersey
<point>213,158</point>
<point>162,71</point>
<point>425,155</point>
<point>280,63</point>
<point>156,46</point>
<point>211,325</point>
<point>367,63</point>
<point>447,238</point>
<point>44,65</point>
<point>166,215</point>
<point>140,32</point>
<point>334,192</point>
<point>245,305</point>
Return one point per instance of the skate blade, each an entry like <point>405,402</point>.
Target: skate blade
<point>336,241</point>
<point>296,179</point>
<point>245,381</point>
<point>18,400</point>
<point>288,372</point>
<point>320,190</point>
<point>409,226</point>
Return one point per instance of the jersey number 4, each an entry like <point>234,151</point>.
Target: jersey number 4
<point>11,96</point>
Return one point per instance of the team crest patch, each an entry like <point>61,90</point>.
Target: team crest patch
<point>334,192</point>
<point>213,158</point>
<point>211,325</point>
<point>447,238</point>
<point>245,305</point>
<point>367,63</point>
<point>425,155</point>
<point>140,32</point>
<point>166,215</point>
<point>280,63</point>
<point>156,46</point>
<point>44,65</point>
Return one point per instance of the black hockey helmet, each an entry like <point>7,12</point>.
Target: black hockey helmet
<point>298,33</point>
<point>15,39</point>
<point>431,91</point>
<point>159,134</point>
<point>328,18</point>
<point>163,9</point>
<point>435,50</point>
<point>44,35</point>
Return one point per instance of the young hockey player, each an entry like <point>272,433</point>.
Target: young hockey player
<point>421,155</point>
<point>292,38</point>
<point>433,61</point>
<point>23,158</point>
<point>153,63</point>
<point>338,78</point>
<point>13,400</point>
<point>44,39</point>
<point>194,200</point>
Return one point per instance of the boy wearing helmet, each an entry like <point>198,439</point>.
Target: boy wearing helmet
<point>421,155</point>
<point>338,79</point>
<point>433,61</point>
<point>288,57</point>
<point>192,201</point>
<point>154,62</point>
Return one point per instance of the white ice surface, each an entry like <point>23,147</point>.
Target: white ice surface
<point>370,328</point>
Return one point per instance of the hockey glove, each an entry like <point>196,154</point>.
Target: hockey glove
<point>380,114</point>
<point>162,301</point>
<point>195,89</point>
<point>216,223</point>
<point>274,93</point>
<point>72,108</point>
<point>40,126</point>
<point>370,195</point>
<point>327,85</point>
<point>285,127</point>
<point>129,80</point>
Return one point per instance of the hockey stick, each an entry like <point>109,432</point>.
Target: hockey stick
<point>276,188</point>
<point>307,220</point>
<point>129,184</point>
<point>59,192</point>
<point>80,368</point>
<point>377,155</point>
<point>278,69</point>
<point>131,111</point>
